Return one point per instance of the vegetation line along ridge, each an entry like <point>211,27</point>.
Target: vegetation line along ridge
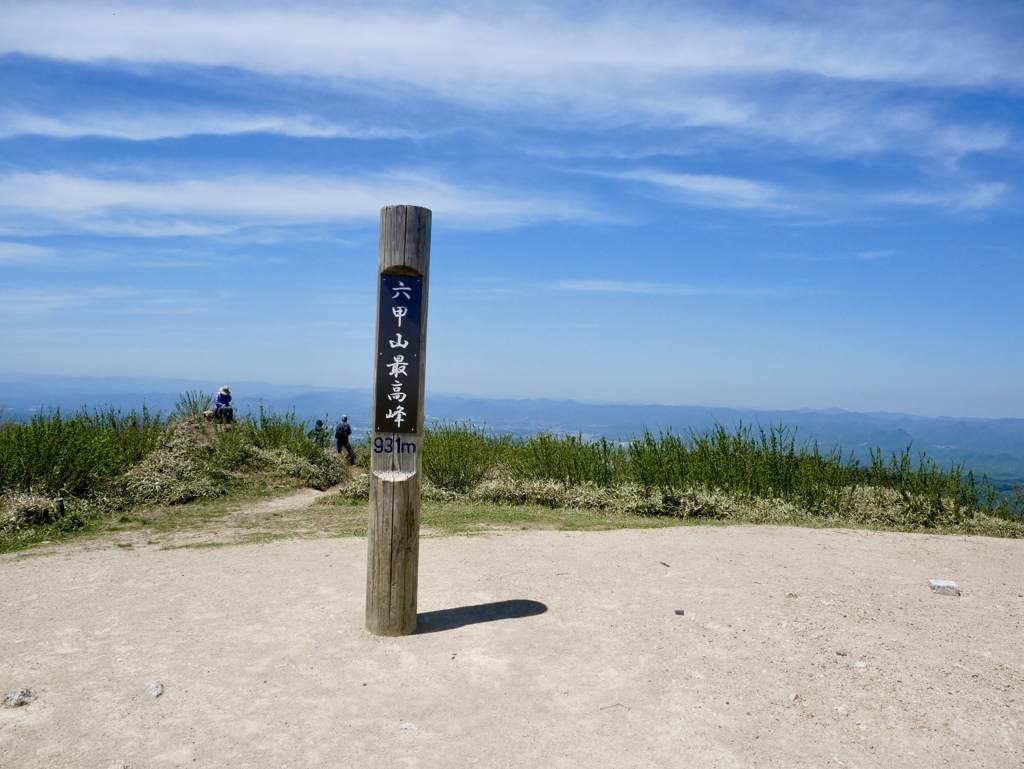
<point>60,474</point>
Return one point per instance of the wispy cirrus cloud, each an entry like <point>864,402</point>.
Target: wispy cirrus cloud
<point>217,205</point>
<point>831,202</point>
<point>965,199</point>
<point>823,79</point>
<point>528,49</point>
<point>855,120</point>
<point>30,301</point>
<point>861,256</point>
<point>21,301</point>
<point>822,123</point>
<point>670,289</point>
<point>874,255</point>
<point>713,190</point>
<point>23,252</point>
<point>143,123</point>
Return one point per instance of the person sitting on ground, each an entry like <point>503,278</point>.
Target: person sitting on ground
<point>222,407</point>
<point>341,434</point>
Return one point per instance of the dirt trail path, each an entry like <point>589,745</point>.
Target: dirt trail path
<point>296,500</point>
<point>795,647</point>
<point>292,514</point>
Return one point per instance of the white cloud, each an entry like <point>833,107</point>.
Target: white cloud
<point>862,120</point>
<point>967,199</point>
<point>29,301</point>
<point>79,257</point>
<point>531,49</point>
<point>957,140</point>
<point>142,123</point>
<point>714,191</point>
<point>43,301</point>
<point>673,289</point>
<point>862,256</point>
<point>22,252</point>
<point>198,207</point>
<point>831,203</point>
<point>605,61</point>
<point>820,79</point>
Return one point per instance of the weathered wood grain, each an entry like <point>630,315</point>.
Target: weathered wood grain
<point>394,527</point>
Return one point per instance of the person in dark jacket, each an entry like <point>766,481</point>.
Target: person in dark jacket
<point>341,435</point>
<point>222,407</point>
<point>319,433</point>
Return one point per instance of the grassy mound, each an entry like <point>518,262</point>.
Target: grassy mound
<point>57,472</point>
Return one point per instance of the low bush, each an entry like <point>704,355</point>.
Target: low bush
<point>183,470</point>
<point>192,404</point>
<point>108,460</point>
<point>115,460</point>
<point>203,461</point>
<point>19,510</point>
<point>357,488</point>
<point>31,517</point>
<point>741,476</point>
<point>458,455</point>
<point>74,455</point>
<point>567,459</point>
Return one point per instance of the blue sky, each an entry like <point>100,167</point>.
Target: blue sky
<point>771,205</point>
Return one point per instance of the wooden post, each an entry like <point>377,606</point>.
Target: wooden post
<point>393,537</point>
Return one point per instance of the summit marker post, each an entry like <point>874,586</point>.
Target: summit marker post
<point>396,442</point>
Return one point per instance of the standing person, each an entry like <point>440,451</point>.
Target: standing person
<point>341,434</point>
<point>319,433</point>
<point>222,407</point>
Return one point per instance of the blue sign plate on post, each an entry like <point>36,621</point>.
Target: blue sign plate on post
<point>397,399</point>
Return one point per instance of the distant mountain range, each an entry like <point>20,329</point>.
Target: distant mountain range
<point>992,446</point>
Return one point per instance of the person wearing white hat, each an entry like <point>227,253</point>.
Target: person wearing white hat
<point>222,408</point>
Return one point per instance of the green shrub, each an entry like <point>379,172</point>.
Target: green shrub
<point>76,455</point>
<point>769,464</point>
<point>271,430</point>
<point>363,452</point>
<point>110,460</point>
<point>457,455</point>
<point>192,404</point>
<point>726,471</point>
<point>569,459</point>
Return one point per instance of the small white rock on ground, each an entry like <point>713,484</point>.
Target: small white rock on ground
<point>944,587</point>
<point>19,698</point>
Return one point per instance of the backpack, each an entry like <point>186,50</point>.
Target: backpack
<point>343,430</point>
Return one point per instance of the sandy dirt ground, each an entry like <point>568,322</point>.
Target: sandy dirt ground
<point>685,647</point>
